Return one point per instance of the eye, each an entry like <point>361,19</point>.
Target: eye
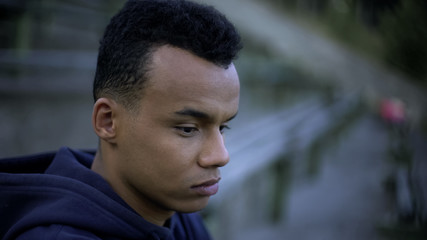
<point>186,131</point>
<point>222,128</point>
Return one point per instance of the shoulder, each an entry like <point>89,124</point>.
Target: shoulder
<point>56,232</point>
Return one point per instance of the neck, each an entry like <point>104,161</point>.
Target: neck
<point>97,165</point>
<point>149,210</point>
<point>146,208</point>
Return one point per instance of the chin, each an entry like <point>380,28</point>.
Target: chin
<point>193,206</point>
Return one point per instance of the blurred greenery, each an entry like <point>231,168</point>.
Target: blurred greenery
<point>405,36</point>
<point>391,31</point>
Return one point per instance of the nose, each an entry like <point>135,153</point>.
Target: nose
<point>214,153</point>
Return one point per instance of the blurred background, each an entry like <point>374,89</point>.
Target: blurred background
<point>330,140</point>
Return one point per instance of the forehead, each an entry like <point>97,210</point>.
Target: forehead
<point>172,66</point>
<point>185,79</point>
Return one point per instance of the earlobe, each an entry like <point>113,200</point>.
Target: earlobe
<point>103,119</point>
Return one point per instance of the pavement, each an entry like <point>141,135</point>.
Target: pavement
<point>346,199</point>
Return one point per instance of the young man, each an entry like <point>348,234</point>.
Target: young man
<point>164,90</point>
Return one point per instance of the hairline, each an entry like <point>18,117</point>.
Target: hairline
<point>132,106</point>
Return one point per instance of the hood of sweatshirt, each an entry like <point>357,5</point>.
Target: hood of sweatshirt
<point>59,188</point>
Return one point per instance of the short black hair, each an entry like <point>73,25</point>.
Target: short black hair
<point>144,25</point>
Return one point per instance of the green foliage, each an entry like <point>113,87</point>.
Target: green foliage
<point>405,36</point>
<point>392,31</point>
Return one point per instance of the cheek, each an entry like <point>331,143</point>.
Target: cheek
<point>167,155</point>
<point>176,154</point>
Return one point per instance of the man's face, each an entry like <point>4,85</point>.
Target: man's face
<point>170,151</point>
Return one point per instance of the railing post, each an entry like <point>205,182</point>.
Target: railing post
<point>281,171</point>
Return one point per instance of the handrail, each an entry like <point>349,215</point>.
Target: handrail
<point>292,129</point>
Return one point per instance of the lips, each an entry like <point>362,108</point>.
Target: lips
<point>207,188</point>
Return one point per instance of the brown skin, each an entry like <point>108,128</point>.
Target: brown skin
<point>155,156</point>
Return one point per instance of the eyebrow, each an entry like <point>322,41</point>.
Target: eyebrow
<point>198,114</point>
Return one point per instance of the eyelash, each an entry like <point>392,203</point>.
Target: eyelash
<point>222,128</point>
<point>189,131</point>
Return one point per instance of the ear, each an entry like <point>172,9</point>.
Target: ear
<point>103,119</point>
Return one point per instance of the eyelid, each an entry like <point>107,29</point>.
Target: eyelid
<point>223,127</point>
<point>187,131</point>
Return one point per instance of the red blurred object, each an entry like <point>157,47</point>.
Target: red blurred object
<point>393,111</point>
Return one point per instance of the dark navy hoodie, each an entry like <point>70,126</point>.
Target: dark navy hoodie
<point>57,196</point>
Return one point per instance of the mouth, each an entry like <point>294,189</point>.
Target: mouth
<point>207,188</point>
